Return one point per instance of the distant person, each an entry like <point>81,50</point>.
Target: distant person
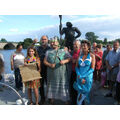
<point>75,54</point>
<point>84,70</point>
<point>70,32</point>
<point>94,47</point>
<point>32,57</point>
<point>17,58</point>
<point>41,53</point>
<point>58,83</point>
<point>118,85</point>
<point>1,69</point>
<point>2,59</point>
<point>112,62</point>
<point>104,67</point>
<point>98,64</point>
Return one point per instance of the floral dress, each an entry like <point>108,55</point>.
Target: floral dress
<point>35,83</point>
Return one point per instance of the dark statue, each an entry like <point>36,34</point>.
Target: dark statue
<point>69,32</point>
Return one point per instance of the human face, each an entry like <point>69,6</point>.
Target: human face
<point>20,48</point>
<point>116,45</point>
<point>44,40</point>
<point>76,46</point>
<point>94,45</point>
<point>31,52</point>
<point>97,49</point>
<point>84,47</point>
<point>55,44</point>
<point>51,44</point>
<point>108,48</point>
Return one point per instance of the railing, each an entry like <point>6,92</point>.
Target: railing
<point>14,91</point>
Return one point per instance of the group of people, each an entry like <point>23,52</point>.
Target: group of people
<point>68,73</point>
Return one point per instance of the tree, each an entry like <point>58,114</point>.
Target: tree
<point>3,40</point>
<point>105,40</point>
<point>91,36</point>
<point>27,42</point>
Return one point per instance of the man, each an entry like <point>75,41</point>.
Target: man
<point>94,47</point>
<point>17,58</point>
<point>41,52</point>
<point>75,54</point>
<point>104,67</point>
<point>112,62</point>
<point>69,32</point>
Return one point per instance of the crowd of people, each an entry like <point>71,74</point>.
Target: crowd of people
<point>68,74</point>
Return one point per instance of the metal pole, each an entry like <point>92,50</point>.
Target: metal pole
<point>60,27</point>
<point>14,91</point>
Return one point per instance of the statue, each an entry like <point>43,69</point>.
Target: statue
<point>69,32</point>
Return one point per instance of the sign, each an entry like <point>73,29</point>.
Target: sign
<point>29,72</point>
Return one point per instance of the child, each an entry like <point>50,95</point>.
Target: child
<point>35,84</point>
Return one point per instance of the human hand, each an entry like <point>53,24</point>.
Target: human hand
<point>62,62</point>
<point>83,81</point>
<point>25,64</point>
<point>110,68</point>
<point>12,68</point>
<point>52,65</point>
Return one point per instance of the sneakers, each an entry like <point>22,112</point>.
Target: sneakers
<point>108,95</point>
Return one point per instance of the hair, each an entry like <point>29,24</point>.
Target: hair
<point>99,46</point>
<point>42,36</point>
<point>18,46</point>
<point>116,41</point>
<point>76,41</point>
<point>88,44</point>
<point>1,66</point>
<point>109,45</point>
<point>31,47</point>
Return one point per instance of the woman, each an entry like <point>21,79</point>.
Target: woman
<point>84,70</point>
<point>58,86</point>
<point>32,57</point>
<point>98,57</point>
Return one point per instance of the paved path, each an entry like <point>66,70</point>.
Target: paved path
<point>8,97</point>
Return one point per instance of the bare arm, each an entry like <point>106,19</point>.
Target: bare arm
<point>12,64</point>
<point>39,64</point>
<point>48,64</point>
<point>78,32</point>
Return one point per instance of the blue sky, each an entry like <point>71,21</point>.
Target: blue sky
<point>18,27</point>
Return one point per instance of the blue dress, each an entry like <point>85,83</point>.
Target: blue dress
<point>84,71</point>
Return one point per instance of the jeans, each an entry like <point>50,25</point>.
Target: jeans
<point>18,78</point>
<point>118,91</point>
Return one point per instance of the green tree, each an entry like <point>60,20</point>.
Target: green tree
<point>27,42</point>
<point>91,36</point>
<point>3,40</point>
<point>105,40</point>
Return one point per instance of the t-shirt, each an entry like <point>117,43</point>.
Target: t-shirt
<point>18,59</point>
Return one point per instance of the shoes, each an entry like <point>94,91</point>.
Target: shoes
<point>116,103</point>
<point>41,102</point>
<point>108,95</point>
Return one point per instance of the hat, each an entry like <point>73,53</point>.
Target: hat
<point>54,39</point>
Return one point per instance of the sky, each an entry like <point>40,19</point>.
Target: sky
<point>18,27</point>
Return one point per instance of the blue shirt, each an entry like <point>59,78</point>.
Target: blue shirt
<point>113,58</point>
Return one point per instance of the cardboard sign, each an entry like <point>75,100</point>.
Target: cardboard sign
<point>29,72</point>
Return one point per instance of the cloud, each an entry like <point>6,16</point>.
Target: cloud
<point>103,26</point>
<point>1,20</point>
<point>13,30</point>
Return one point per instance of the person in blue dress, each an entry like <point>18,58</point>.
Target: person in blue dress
<point>84,70</point>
